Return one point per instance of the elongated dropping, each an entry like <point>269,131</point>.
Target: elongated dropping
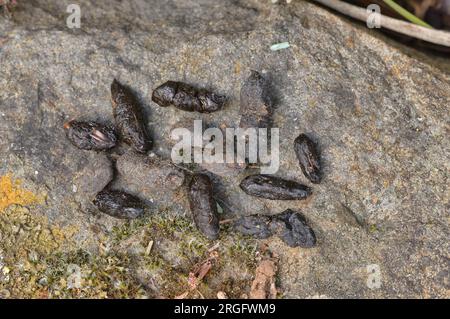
<point>128,117</point>
<point>308,157</point>
<point>290,226</point>
<point>187,98</point>
<point>90,135</point>
<point>293,229</point>
<point>203,206</point>
<point>275,188</point>
<point>119,204</point>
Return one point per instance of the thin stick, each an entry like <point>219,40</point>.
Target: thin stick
<point>227,221</point>
<point>430,35</point>
<point>406,14</point>
<point>183,168</point>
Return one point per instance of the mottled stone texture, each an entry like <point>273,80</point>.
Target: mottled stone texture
<point>379,112</point>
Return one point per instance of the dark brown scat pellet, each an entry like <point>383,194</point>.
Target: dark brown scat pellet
<point>119,204</point>
<point>255,226</point>
<point>308,157</point>
<point>203,206</point>
<point>274,188</point>
<point>90,135</point>
<point>256,102</point>
<point>128,117</point>
<point>187,98</point>
<point>291,227</point>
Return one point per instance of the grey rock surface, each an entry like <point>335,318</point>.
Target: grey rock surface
<point>379,111</point>
<point>153,179</point>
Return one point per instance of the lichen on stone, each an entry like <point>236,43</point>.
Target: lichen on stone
<point>12,193</point>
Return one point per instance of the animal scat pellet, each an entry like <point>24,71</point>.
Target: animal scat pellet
<point>290,226</point>
<point>128,117</point>
<point>90,135</point>
<point>119,204</point>
<point>256,226</point>
<point>203,206</point>
<point>308,157</point>
<point>187,98</point>
<point>274,188</point>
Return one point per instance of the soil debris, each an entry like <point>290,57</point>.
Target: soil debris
<point>199,272</point>
<point>263,286</point>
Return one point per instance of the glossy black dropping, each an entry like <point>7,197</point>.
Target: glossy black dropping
<point>119,204</point>
<point>203,206</point>
<point>291,227</point>
<point>128,118</point>
<point>308,157</point>
<point>90,135</point>
<point>187,98</point>
<point>255,226</point>
<point>274,188</point>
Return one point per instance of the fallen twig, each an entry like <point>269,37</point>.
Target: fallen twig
<point>227,221</point>
<point>430,35</point>
<point>200,271</point>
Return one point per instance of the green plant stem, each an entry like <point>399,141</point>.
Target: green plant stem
<point>406,14</point>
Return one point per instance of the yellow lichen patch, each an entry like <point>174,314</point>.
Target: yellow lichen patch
<point>11,193</point>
